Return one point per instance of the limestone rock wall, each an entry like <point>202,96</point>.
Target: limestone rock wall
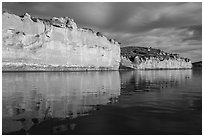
<point>56,44</point>
<point>148,58</point>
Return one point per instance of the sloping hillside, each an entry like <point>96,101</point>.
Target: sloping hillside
<point>149,58</point>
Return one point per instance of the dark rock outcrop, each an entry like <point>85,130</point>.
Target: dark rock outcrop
<point>197,65</point>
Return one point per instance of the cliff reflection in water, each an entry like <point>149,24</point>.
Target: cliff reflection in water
<point>164,86</point>
<point>55,95</point>
<point>111,102</point>
<point>162,91</point>
<point>146,80</point>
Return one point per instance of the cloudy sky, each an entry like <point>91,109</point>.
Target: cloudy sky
<point>172,27</point>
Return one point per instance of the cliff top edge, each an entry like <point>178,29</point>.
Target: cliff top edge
<point>61,22</point>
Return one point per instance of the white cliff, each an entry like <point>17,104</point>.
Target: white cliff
<point>33,44</point>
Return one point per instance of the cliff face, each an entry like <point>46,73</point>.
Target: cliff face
<point>149,58</point>
<point>57,44</point>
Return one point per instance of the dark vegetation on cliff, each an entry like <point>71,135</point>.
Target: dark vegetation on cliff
<point>147,52</point>
<point>197,64</point>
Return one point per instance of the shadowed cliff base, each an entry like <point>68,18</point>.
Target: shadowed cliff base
<point>47,68</point>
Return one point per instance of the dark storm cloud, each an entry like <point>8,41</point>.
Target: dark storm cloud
<point>174,27</point>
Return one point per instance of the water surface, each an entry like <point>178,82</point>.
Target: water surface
<point>109,102</point>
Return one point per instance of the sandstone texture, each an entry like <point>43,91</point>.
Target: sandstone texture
<point>56,44</point>
<point>149,58</point>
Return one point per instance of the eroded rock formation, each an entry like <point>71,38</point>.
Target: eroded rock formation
<point>56,44</point>
<point>149,58</point>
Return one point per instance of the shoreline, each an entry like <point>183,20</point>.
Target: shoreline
<point>86,70</point>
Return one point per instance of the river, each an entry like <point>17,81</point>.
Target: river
<point>102,102</point>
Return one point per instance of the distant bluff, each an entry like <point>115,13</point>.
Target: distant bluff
<point>150,58</point>
<point>57,44</point>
